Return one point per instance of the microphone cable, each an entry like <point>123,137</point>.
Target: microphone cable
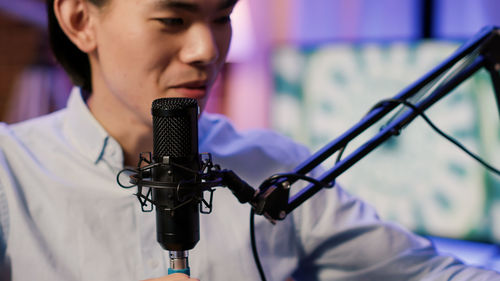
<point>254,246</point>
<point>462,147</point>
<point>268,182</point>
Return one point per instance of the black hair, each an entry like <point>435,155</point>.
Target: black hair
<point>73,60</point>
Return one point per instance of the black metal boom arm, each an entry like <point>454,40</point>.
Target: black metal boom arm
<point>483,50</point>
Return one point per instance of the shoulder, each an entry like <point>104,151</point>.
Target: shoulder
<point>25,143</point>
<point>33,132</point>
<point>7,138</point>
<point>219,134</point>
<point>261,150</point>
<point>43,125</point>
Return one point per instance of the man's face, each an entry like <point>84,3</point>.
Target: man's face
<point>149,49</point>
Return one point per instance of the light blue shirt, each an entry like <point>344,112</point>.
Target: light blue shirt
<point>64,217</point>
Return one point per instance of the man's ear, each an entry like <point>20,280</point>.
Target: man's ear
<point>75,20</point>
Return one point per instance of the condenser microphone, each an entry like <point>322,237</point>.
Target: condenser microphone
<point>176,164</point>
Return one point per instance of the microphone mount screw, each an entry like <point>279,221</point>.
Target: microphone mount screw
<point>282,214</point>
<point>286,185</point>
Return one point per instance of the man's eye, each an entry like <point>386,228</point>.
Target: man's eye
<point>223,20</point>
<point>171,21</point>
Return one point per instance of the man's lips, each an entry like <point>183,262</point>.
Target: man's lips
<point>194,89</point>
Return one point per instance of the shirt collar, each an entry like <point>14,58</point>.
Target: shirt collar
<point>92,140</point>
<point>87,135</point>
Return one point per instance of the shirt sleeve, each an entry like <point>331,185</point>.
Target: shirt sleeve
<point>342,238</point>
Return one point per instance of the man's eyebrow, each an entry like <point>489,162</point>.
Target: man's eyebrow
<point>192,7</point>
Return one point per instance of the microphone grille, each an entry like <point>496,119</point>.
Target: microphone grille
<point>174,103</point>
<point>175,130</point>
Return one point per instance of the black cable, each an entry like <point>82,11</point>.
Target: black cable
<point>254,245</point>
<point>268,182</point>
<point>443,134</point>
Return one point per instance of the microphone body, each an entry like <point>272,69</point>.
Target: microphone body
<point>175,151</point>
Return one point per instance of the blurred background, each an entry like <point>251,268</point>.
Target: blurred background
<point>310,69</point>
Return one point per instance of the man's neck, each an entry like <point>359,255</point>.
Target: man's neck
<point>133,135</point>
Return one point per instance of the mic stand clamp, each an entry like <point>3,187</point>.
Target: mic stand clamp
<point>270,200</point>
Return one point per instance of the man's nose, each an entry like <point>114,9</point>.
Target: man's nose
<point>200,46</point>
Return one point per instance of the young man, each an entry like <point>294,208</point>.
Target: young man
<point>63,216</point>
